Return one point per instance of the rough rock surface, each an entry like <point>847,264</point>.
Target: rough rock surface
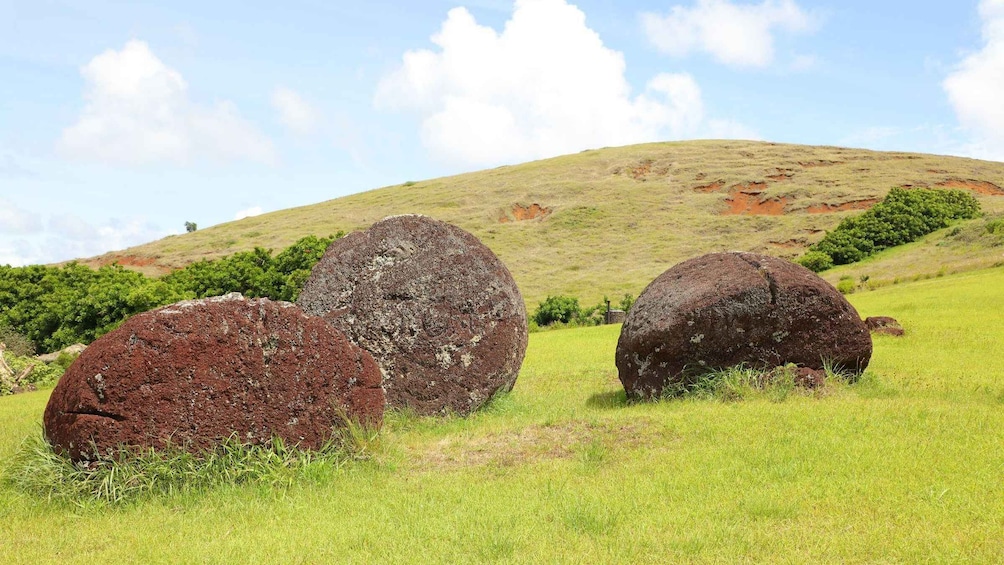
<point>884,325</point>
<point>195,372</point>
<point>725,309</point>
<point>437,309</point>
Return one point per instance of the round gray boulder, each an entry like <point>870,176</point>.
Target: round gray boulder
<point>435,307</point>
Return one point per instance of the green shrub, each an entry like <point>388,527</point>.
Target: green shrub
<point>902,217</point>
<point>559,308</point>
<point>17,344</point>
<point>846,285</point>
<point>995,226</point>
<point>816,261</point>
<point>58,306</point>
<point>627,302</point>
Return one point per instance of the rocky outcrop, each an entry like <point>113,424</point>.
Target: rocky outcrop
<point>436,308</point>
<point>884,325</point>
<point>727,309</point>
<point>194,373</point>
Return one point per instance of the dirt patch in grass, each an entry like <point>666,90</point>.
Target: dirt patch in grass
<point>746,199</point>
<point>129,260</point>
<point>819,163</point>
<point>852,205</point>
<point>644,170</point>
<point>522,213</point>
<point>977,186</point>
<point>708,188</point>
<point>535,443</point>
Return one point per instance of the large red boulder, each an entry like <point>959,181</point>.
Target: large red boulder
<point>437,309</point>
<point>727,309</point>
<point>194,373</point>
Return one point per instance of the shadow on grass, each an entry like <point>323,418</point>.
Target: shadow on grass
<point>608,400</point>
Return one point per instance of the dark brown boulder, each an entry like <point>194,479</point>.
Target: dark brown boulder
<point>884,325</point>
<point>196,372</point>
<point>726,309</point>
<point>437,309</point>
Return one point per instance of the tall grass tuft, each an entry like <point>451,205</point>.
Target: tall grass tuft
<point>135,474</point>
<point>741,382</point>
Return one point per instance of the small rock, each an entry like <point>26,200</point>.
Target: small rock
<point>73,350</point>
<point>884,325</point>
<point>810,378</point>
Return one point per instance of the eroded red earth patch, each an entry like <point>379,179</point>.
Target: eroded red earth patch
<point>978,186</point>
<point>129,261</point>
<point>521,213</point>
<point>746,200</point>
<point>713,187</point>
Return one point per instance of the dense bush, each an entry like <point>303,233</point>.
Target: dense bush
<point>59,306</point>
<point>816,261</point>
<point>902,217</point>
<point>17,344</point>
<point>254,273</point>
<point>565,310</point>
<point>559,308</point>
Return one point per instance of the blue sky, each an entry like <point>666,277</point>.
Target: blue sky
<point>119,123</point>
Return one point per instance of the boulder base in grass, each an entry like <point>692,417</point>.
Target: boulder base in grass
<point>193,373</point>
<point>437,309</point>
<point>726,309</point>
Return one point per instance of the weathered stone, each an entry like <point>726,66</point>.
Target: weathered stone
<point>810,378</point>
<point>72,350</point>
<point>884,325</point>
<point>437,309</point>
<point>196,372</point>
<point>726,309</point>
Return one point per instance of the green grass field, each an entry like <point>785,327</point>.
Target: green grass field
<point>905,466</point>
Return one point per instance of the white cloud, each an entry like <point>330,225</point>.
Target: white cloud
<point>248,213</point>
<point>138,111</point>
<point>294,112</point>
<point>17,253</point>
<point>974,88</point>
<point>740,35</point>
<point>67,236</point>
<point>15,220</point>
<point>546,85</point>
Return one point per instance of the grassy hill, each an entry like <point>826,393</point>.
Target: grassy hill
<point>607,221</point>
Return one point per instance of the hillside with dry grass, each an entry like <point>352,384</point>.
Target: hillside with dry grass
<point>607,221</point>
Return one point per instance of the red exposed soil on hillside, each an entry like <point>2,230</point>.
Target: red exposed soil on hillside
<point>852,205</point>
<point>745,199</point>
<point>749,188</point>
<point>713,187</point>
<point>639,172</point>
<point>978,186</point>
<point>521,213</point>
<point>127,261</point>
<point>752,205</point>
